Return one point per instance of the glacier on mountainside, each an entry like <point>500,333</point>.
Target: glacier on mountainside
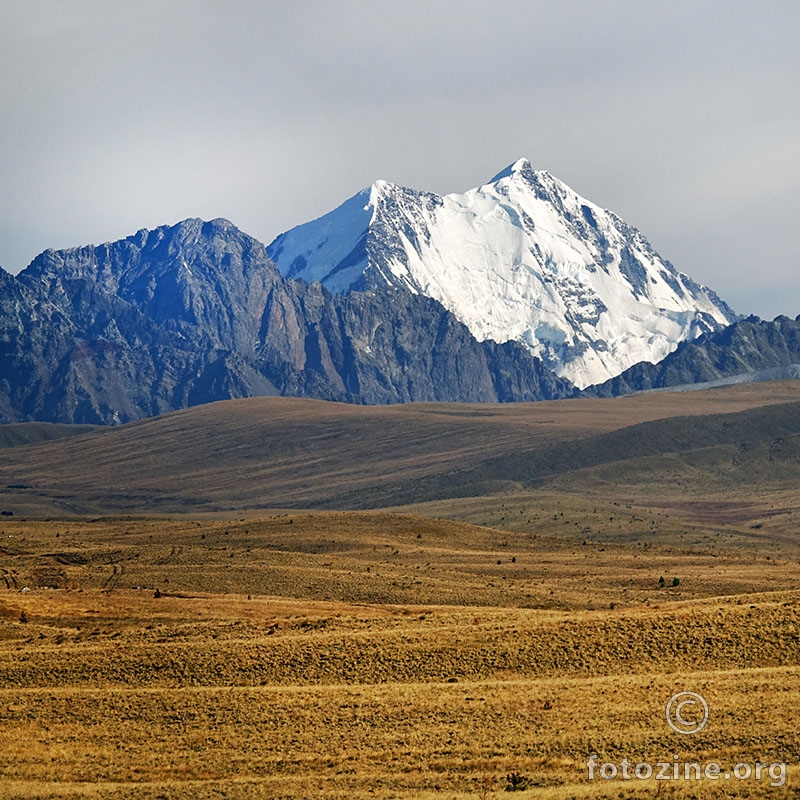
<point>521,258</point>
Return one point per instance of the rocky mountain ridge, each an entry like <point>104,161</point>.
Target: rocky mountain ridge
<point>751,349</point>
<point>197,312</point>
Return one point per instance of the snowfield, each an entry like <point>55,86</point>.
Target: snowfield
<point>523,258</point>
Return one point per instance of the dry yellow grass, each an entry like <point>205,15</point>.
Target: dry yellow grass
<point>554,553</point>
<point>517,629</point>
<point>392,740</point>
<point>107,691</point>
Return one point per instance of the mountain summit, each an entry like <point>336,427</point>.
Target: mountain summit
<point>522,258</point>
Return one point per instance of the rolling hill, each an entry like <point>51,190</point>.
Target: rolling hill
<point>296,453</point>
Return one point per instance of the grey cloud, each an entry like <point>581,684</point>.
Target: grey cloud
<point>681,117</point>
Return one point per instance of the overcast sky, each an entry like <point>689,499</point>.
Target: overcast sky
<point>682,117</point>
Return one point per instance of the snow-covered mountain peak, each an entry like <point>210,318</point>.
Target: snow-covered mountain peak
<point>522,258</point>
<point>522,175</point>
<point>380,188</point>
<point>520,166</point>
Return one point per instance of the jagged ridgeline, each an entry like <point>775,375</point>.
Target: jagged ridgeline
<point>523,258</point>
<point>517,290</point>
<point>748,351</point>
<point>198,312</point>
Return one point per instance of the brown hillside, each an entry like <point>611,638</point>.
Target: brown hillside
<point>279,452</point>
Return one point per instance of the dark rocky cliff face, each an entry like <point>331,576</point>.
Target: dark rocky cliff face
<point>746,347</point>
<point>197,312</point>
<point>388,346</point>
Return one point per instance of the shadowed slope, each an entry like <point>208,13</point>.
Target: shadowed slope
<point>278,452</point>
<point>15,435</point>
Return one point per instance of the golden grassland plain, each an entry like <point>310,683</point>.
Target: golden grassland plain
<point>287,598</point>
<point>385,655</point>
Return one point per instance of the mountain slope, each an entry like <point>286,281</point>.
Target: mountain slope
<point>523,258</point>
<point>25,433</point>
<point>386,346</point>
<point>197,312</point>
<point>294,452</point>
<point>751,349</point>
<point>133,328</point>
